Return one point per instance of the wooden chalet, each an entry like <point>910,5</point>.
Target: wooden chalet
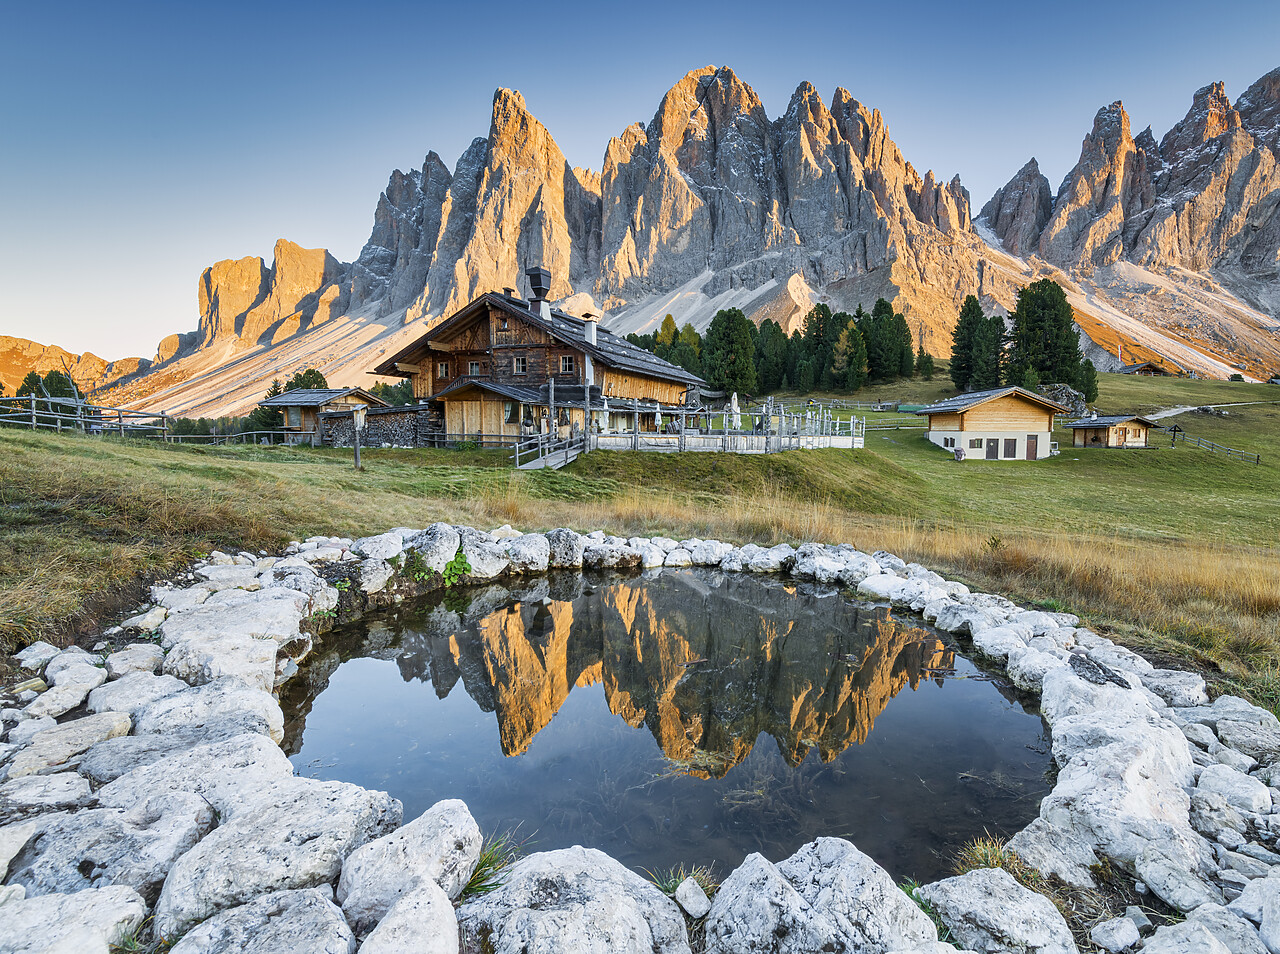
<point>302,408</point>
<point>1119,430</point>
<point>501,368</point>
<point>1000,424</point>
<point>1147,369</point>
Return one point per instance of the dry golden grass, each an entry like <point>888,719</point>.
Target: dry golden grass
<point>85,523</point>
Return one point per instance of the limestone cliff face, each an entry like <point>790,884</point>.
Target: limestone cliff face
<point>245,302</point>
<point>1020,209</point>
<point>20,356</point>
<point>1207,196</point>
<point>711,194</point>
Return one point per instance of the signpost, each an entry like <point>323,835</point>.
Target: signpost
<point>357,425</point>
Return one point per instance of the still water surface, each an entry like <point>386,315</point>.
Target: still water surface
<point>686,716</point>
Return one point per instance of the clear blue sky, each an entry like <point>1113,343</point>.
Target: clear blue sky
<point>141,142</point>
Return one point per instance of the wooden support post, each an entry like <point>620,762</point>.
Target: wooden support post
<point>552,426</point>
<point>635,424</point>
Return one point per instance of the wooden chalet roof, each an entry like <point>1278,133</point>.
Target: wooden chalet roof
<point>965,402</point>
<point>1112,420</point>
<point>609,350</point>
<point>1135,368</point>
<point>318,397</point>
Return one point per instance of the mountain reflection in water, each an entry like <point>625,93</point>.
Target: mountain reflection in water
<point>705,665</point>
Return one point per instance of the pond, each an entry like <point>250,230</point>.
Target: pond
<point>683,716</point>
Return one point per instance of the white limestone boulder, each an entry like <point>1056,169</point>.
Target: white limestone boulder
<point>692,899</point>
<point>383,546</point>
<point>860,899</point>
<point>999,641</point>
<point>215,705</point>
<point>528,553</point>
<point>709,552</point>
<point>292,835</point>
<point>33,794</point>
<point>54,747</point>
<point>988,911</point>
<point>227,774</point>
<point>773,560</point>
<point>37,655</point>
<point>375,574</point>
<point>87,922</point>
<point>1241,791</point>
<point>442,845</point>
<point>105,846</point>
<point>422,921</point>
<point>435,546</point>
<point>678,557</point>
<point>603,556</point>
<point>576,901</point>
<point>136,657</point>
<point>305,919</point>
<point>566,548</point>
<point>1175,687</point>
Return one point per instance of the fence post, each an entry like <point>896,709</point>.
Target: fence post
<point>33,411</point>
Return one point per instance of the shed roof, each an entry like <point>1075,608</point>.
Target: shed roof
<point>965,402</point>
<point>1112,420</point>
<point>609,349</point>
<point>317,397</point>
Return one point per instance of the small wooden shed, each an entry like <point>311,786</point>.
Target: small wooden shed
<point>1000,424</point>
<point>302,407</point>
<point>1117,430</point>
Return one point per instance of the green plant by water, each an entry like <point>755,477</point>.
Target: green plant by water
<point>456,570</point>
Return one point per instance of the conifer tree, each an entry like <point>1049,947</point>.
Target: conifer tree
<point>1043,338</point>
<point>729,352</point>
<point>849,357</point>
<point>924,364</point>
<point>962,337</point>
<point>1088,381</point>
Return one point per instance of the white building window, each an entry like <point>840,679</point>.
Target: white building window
<point>520,364</point>
<point>975,443</point>
<point>566,364</point>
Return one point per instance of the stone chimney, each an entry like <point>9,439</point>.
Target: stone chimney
<point>540,285</point>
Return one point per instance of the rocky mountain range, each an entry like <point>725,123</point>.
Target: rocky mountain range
<point>1169,250</point>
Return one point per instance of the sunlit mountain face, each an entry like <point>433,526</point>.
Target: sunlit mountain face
<point>687,716</point>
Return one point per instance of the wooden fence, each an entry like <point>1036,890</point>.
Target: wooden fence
<point>1214,447</point>
<point>71,414</point>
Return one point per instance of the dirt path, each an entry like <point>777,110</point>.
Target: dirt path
<point>1172,411</point>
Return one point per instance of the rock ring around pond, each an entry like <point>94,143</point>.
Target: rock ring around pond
<point>163,793</point>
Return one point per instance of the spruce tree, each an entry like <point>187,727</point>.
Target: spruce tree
<point>985,350</point>
<point>967,324</point>
<point>1088,381</point>
<point>308,378</point>
<point>849,357</point>
<point>924,364</point>
<point>883,351</point>
<point>906,354</point>
<point>1044,338</point>
<point>729,352</point>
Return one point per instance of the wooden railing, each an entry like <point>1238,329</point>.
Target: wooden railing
<point>1214,447</point>
<point>72,414</point>
<point>243,437</point>
<point>544,445</point>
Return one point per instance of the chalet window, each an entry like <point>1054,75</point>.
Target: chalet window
<point>566,364</point>
<point>1010,447</point>
<point>295,417</point>
<point>442,370</point>
<point>512,410</point>
<point>473,368</point>
<point>519,364</point>
<point>975,443</point>
<point>948,442</point>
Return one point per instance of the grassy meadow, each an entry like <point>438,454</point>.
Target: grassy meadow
<point>1169,550</point>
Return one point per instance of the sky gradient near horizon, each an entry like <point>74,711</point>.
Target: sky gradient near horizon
<point>144,141</point>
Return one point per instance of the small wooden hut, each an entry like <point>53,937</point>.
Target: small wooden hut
<point>1117,430</point>
<point>302,408</point>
